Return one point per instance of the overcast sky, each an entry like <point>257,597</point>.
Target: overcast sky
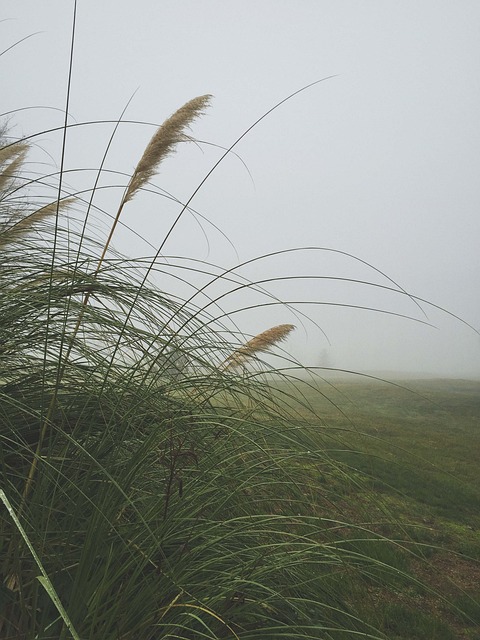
<point>380,161</point>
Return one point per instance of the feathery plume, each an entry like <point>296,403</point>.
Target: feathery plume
<point>163,142</point>
<point>23,226</point>
<point>9,173</point>
<point>259,343</point>
<point>169,134</point>
<point>12,150</point>
<point>12,158</point>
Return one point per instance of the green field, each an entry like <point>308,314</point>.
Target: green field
<point>408,460</point>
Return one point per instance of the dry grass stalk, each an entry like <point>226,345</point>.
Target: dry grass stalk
<point>260,343</point>
<point>24,225</point>
<point>169,134</point>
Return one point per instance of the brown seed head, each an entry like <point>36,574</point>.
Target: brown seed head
<point>9,173</point>
<point>259,343</point>
<point>24,225</point>
<point>169,134</point>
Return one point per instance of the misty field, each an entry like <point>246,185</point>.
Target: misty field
<point>408,464</point>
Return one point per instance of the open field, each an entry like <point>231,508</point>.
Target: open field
<point>408,457</point>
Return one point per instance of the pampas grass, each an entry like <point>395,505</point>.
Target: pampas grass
<point>159,494</point>
<point>163,143</point>
<point>258,344</point>
<point>14,230</point>
<point>135,474</point>
<point>12,158</point>
<point>137,479</point>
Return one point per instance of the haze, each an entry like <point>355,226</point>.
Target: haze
<point>380,161</point>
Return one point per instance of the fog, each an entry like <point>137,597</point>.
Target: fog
<point>379,161</point>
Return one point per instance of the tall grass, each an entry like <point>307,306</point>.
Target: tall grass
<point>153,485</point>
<point>151,489</point>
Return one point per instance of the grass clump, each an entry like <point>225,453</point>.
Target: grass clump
<point>156,481</point>
<point>150,489</point>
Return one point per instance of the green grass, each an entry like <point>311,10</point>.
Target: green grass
<point>402,622</point>
<point>411,457</point>
<point>148,490</point>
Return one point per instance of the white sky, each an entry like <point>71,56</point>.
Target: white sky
<point>381,161</point>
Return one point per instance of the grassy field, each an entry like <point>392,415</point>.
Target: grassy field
<point>408,468</point>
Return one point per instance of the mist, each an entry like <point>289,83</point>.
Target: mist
<point>373,171</point>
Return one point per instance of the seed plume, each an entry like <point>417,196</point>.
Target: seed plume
<point>12,150</point>
<point>8,173</point>
<point>169,134</point>
<point>24,225</point>
<point>260,343</point>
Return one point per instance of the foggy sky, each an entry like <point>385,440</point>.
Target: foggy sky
<point>380,161</point>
